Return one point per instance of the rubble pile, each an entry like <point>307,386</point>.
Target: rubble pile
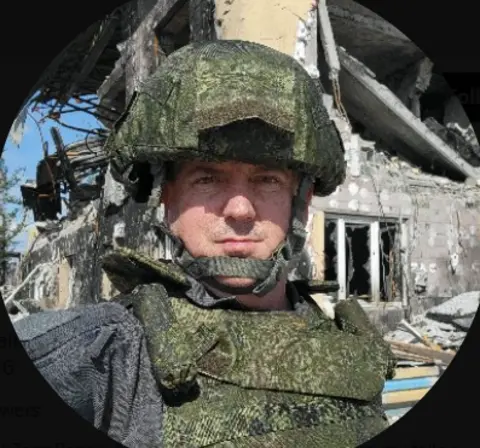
<point>424,348</point>
<point>6,290</point>
<point>456,139</point>
<point>441,328</point>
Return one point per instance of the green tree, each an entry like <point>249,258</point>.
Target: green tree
<point>13,217</point>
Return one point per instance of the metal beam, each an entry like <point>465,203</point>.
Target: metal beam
<point>202,20</point>
<point>113,83</point>
<point>375,261</point>
<point>65,162</point>
<point>108,28</point>
<point>129,63</point>
<point>142,49</point>
<point>157,18</point>
<point>341,260</point>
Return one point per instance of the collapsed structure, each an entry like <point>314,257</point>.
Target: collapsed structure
<point>401,233</point>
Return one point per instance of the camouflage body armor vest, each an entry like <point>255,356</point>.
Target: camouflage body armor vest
<point>235,379</point>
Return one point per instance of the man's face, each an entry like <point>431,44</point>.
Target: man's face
<point>230,209</point>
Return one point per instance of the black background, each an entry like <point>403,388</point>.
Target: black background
<point>33,33</point>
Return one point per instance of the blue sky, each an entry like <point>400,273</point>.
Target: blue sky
<point>28,153</point>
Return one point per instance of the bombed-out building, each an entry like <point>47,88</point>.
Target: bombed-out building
<point>402,232</point>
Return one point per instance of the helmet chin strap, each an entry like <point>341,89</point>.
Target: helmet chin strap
<point>266,273</point>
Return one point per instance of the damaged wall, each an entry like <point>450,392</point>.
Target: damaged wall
<point>67,256</point>
<point>61,269</point>
<point>74,252</point>
<point>441,217</point>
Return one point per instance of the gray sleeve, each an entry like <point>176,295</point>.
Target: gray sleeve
<point>95,358</point>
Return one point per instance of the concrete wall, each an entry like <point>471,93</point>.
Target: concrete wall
<point>442,223</point>
<point>66,277</point>
<point>63,270</point>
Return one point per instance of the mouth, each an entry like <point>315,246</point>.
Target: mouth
<point>239,246</point>
<point>239,240</point>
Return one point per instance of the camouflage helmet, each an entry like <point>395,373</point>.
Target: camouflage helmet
<point>233,100</point>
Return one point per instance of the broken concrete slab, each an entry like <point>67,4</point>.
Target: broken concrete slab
<point>445,325</point>
<point>445,336</point>
<point>370,38</point>
<point>39,285</point>
<point>459,310</point>
<point>376,107</point>
<point>23,308</point>
<point>14,317</point>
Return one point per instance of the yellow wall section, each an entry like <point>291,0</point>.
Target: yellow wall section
<point>416,372</point>
<point>404,396</point>
<point>268,22</point>
<point>64,278</point>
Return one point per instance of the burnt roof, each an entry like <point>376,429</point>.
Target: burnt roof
<point>83,65</point>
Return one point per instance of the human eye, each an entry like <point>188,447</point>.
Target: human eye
<point>204,180</point>
<point>268,179</point>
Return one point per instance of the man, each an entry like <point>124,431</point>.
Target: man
<point>218,348</point>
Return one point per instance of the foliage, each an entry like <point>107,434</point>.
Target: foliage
<point>13,217</point>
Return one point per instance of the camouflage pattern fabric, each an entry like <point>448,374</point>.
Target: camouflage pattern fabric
<point>351,318</point>
<point>127,268</point>
<point>231,100</point>
<point>236,379</point>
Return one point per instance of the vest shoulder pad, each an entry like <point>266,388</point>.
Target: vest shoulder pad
<point>127,269</point>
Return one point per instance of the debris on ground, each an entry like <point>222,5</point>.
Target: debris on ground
<point>438,333</point>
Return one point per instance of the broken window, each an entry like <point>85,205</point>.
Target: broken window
<point>390,263</point>
<point>365,267</point>
<point>330,256</point>
<point>357,259</point>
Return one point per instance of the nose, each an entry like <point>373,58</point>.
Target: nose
<point>239,206</point>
